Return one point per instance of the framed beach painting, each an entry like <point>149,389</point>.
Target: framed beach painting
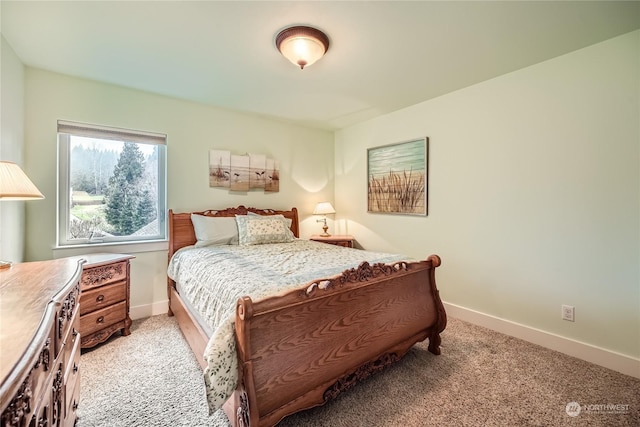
<point>219,168</point>
<point>272,179</point>
<point>239,173</point>
<point>397,178</point>
<point>243,172</point>
<point>258,170</point>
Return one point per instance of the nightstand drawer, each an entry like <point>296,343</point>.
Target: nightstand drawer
<point>98,276</point>
<point>344,244</point>
<point>99,319</point>
<point>104,296</point>
<point>344,240</point>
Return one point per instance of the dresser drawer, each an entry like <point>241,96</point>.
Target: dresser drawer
<point>72,380</point>
<point>67,310</point>
<point>73,400</point>
<point>103,296</point>
<point>72,340</point>
<point>100,319</point>
<point>105,274</point>
<point>42,406</point>
<point>72,363</point>
<point>43,366</point>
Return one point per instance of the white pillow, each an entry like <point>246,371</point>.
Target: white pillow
<point>212,230</point>
<point>258,230</point>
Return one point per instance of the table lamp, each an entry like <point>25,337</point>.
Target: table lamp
<point>15,185</point>
<point>324,208</point>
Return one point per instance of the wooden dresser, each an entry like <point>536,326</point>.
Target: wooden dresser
<point>40,343</point>
<point>104,305</point>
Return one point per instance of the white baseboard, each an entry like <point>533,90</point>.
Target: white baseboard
<point>607,358</point>
<point>148,310</point>
<point>599,356</point>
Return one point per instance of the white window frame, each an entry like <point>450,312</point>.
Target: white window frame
<point>67,128</point>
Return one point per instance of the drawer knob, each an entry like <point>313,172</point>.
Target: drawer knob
<point>100,319</point>
<point>100,298</point>
<point>75,368</point>
<point>75,405</point>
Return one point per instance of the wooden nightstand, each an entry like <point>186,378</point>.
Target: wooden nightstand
<point>338,240</point>
<point>104,301</point>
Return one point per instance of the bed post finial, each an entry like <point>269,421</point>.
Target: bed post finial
<point>245,308</point>
<point>435,260</point>
<point>441,314</point>
<point>244,312</point>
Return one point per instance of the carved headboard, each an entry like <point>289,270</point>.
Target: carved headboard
<point>181,232</point>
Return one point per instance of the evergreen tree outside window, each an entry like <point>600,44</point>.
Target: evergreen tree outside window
<point>111,185</point>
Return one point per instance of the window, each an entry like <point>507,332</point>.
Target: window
<point>111,185</point>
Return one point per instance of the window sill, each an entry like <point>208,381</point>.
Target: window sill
<point>129,248</point>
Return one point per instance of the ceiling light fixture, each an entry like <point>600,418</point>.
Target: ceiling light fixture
<point>302,45</point>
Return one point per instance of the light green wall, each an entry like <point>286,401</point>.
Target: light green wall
<point>12,214</point>
<point>534,193</point>
<point>534,197</point>
<point>306,159</point>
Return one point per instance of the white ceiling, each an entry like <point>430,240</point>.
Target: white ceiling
<point>384,55</point>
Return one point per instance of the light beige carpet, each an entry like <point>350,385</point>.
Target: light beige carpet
<point>482,378</point>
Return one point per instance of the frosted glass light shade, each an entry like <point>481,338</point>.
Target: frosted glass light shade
<point>302,45</point>
<point>15,185</point>
<point>324,208</point>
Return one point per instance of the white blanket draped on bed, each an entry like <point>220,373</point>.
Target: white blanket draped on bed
<point>213,278</point>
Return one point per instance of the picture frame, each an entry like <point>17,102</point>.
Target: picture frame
<point>219,168</point>
<point>239,173</point>
<point>397,178</point>
<point>243,172</point>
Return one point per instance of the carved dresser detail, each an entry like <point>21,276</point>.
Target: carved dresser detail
<point>40,343</point>
<point>104,307</point>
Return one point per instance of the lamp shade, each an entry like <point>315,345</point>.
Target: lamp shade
<point>302,45</point>
<point>324,208</point>
<point>15,185</point>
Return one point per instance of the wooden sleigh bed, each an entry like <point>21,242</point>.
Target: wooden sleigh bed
<point>379,312</point>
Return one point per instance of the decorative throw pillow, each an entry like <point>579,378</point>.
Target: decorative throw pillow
<point>258,230</point>
<point>287,220</point>
<point>215,230</point>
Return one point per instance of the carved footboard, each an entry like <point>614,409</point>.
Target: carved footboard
<point>302,349</point>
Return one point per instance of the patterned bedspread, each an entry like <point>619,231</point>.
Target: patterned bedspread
<point>213,278</point>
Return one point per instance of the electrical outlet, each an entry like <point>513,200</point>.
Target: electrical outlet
<point>568,313</point>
